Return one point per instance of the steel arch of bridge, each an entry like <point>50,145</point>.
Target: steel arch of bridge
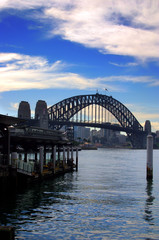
<point>67,108</point>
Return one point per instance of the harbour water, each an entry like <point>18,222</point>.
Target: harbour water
<point>108,198</point>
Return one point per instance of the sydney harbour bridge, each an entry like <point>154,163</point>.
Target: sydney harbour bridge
<point>99,111</point>
<point>94,110</point>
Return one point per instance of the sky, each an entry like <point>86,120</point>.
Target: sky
<point>51,50</point>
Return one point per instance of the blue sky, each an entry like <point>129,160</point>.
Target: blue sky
<point>51,50</point>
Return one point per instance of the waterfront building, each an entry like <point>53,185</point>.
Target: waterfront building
<point>81,133</point>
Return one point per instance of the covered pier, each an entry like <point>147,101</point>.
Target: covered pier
<point>31,153</point>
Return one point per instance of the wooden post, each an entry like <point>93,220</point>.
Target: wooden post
<point>8,150</point>
<point>63,157</point>
<point>68,153</point>
<point>14,158</point>
<point>76,159</point>
<point>149,157</point>
<point>72,153</point>
<point>45,155</point>
<point>36,156</point>
<point>41,159</point>
<point>59,155</point>
<point>25,157</point>
<point>54,158</point>
<point>72,158</point>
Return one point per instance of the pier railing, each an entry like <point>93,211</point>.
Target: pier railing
<point>25,167</point>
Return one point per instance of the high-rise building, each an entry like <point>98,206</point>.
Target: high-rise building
<point>81,132</point>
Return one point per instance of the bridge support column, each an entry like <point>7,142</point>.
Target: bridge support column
<point>149,157</point>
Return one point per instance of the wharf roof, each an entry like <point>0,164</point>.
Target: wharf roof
<point>8,120</point>
<point>31,137</point>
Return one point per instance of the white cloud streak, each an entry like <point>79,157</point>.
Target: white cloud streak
<point>19,72</point>
<point>153,119</point>
<point>129,64</point>
<point>14,106</point>
<point>142,115</point>
<point>146,116</point>
<point>113,27</point>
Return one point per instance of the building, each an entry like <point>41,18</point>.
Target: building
<point>81,133</point>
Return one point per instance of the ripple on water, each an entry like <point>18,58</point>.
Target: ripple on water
<point>108,198</point>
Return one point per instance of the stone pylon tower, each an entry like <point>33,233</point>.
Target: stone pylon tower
<point>147,126</point>
<point>24,110</point>
<point>41,113</point>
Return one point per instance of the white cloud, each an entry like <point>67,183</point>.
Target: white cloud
<point>14,106</point>
<point>155,126</point>
<point>113,27</point>
<point>153,117</point>
<point>104,26</point>
<point>155,83</point>
<point>127,78</point>
<point>143,113</point>
<point>129,64</point>
<point>18,71</point>
<point>146,116</point>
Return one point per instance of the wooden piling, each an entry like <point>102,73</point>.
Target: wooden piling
<point>25,157</point>
<point>54,158</point>
<point>68,153</point>
<point>63,157</point>
<point>76,159</point>
<point>8,148</point>
<point>44,155</point>
<point>41,159</point>
<point>149,157</point>
<point>58,155</point>
<point>72,158</point>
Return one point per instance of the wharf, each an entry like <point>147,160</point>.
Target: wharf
<point>30,154</point>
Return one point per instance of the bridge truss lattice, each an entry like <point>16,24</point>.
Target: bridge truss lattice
<point>61,113</point>
<point>67,108</point>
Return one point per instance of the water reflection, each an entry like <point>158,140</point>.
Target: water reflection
<point>105,199</point>
<point>149,202</point>
<point>35,202</point>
